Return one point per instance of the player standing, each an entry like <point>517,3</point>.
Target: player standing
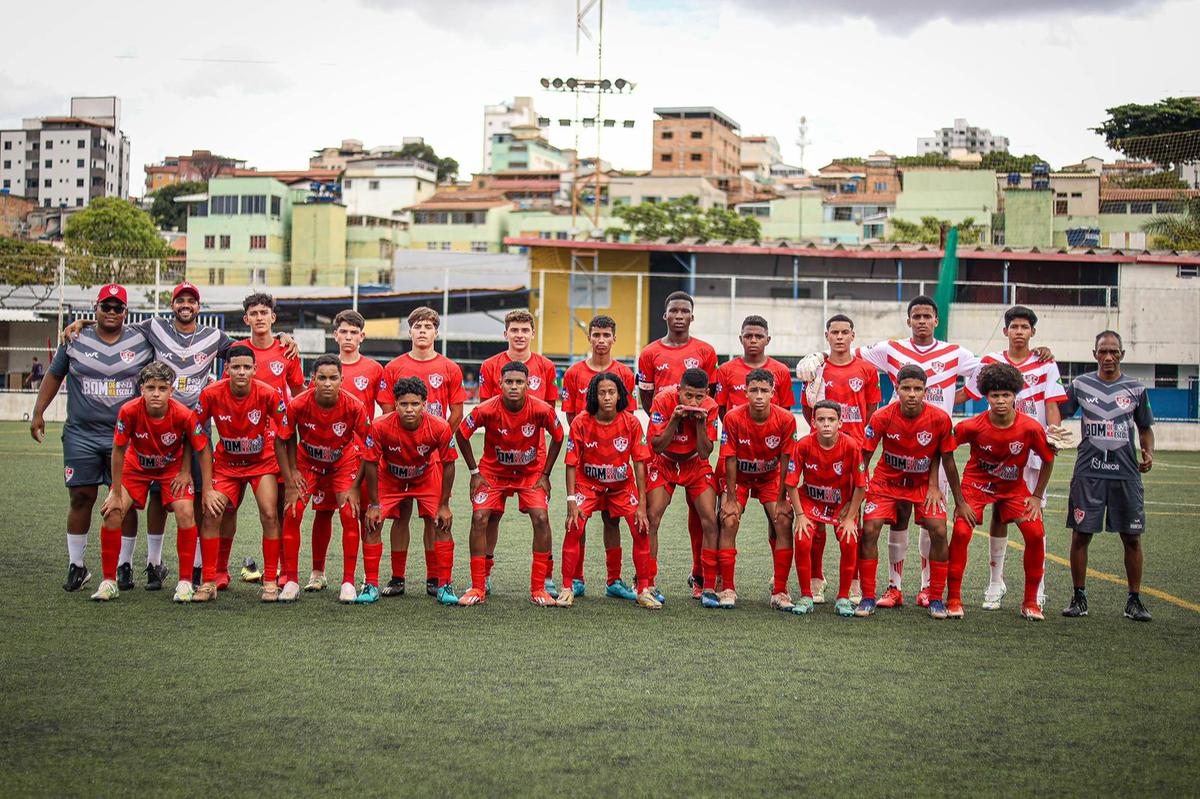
<point>576,383</point>
<point>516,425</point>
<point>1106,486</point>
<point>731,376</point>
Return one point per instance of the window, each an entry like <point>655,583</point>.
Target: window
<point>8,164</point>
<point>697,134</point>
<point>81,144</point>
<point>1187,270</point>
<point>254,204</point>
<point>1060,207</point>
<point>224,205</point>
<point>665,158</point>
<point>49,144</point>
<point>78,202</point>
<point>1166,375</point>
<point>666,134</point>
<point>373,185</point>
<point>210,243</point>
<point>46,183</point>
<point>445,245</point>
<point>881,185</point>
<point>561,235</point>
<point>843,214</point>
<point>696,156</point>
<point>479,246</point>
<point>1169,207</point>
<point>79,163</point>
<point>224,242</point>
<point>275,205</point>
<point>7,145</point>
<point>1112,208</point>
<point>650,199</point>
<point>1060,194</point>
<point>49,163</point>
<point>79,183</point>
<point>755,210</point>
<point>258,275</point>
<point>1076,194</point>
<point>258,242</point>
<point>431,245</point>
<point>7,183</point>
<point>46,203</point>
<point>1141,208</point>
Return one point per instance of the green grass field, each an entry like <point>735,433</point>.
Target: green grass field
<point>409,698</point>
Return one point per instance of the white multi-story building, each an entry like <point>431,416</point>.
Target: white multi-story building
<point>67,161</point>
<point>384,187</point>
<point>963,138</point>
<point>502,118</point>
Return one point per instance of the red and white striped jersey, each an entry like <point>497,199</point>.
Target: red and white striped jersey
<point>1042,384</point>
<point>943,364</point>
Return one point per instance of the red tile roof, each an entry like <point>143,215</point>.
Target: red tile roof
<point>1134,195</point>
<point>463,201</point>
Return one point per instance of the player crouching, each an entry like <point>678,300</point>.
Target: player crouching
<point>1001,441</point>
<point>604,441</point>
<point>152,443</point>
<point>515,424</point>
<point>416,463</point>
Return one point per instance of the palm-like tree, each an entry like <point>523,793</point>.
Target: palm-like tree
<point>1176,231</point>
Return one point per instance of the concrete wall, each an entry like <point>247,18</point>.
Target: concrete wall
<point>461,237</point>
<point>319,244</point>
<point>952,195</point>
<point>1028,218</point>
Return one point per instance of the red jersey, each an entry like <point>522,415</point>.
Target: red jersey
<point>659,366</point>
<point>829,475</point>
<point>543,377</point>
<point>757,447</point>
<point>274,368</point>
<point>409,455</point>
<point>246,427</point>
<point>442,378</point>
<point>911,447</point>
<point>731,383</point>
<point>684,442</point>
<point>601,453</point>
<point>998,455</point>
<point>363,379</point>
<point>155,446</point>
<point>854,386</point>
<point>514,441</point>
<point>577,379</point>
<point>327,435</point>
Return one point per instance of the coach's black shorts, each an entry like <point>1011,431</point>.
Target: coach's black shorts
<point>1117,506</point>
<point>87,458</point>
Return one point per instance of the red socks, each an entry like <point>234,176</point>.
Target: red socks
<point>443,553</point>
<point>847,567</point>
<point>804,564</point>
<point>867,568</point>
<point>209,549</point>
<point>349,543</point>
<point>431,564</point>
<point>185,549</point>
<point>937,578</point>
<point>696,534</point>
<point>783,568</point>
<point>1035,557</point>
<point>612,562</point>
<point>271,550</point>
<point>372,554</point>
<point>571,552</point>
<point>818,553</point>
<point>479,570</point>
<point>641,558</point>
<point>321,533</point>
<point>537,575</point>
<point>708,568</point>
<point>291,547</point>
<point>399,562</point>
<point>224,547</point>
<point>727,562</point>
<point>960,544</point>
<point>110,551</point>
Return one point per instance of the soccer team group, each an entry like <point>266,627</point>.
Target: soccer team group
<point>142,400</point>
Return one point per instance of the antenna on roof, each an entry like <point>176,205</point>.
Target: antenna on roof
<point>802,140</point>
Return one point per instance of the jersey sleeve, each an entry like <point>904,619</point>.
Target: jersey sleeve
<point>295,371</point>
<point>277,410</point>
<point>875,354</point>
<point>873,432</point>
<point>728,437</point>
<point>553,425</point>
<point>488,385</point>
<point>968,363</point>
<point>458,394</point>
<point>709,363</point>
<point>362,426</point>
<point>711,423</point>
<point>645,370</point>
<point>948,444</point>
<point>796,455</point>
<point>479,417</point>
<point>190,427</point>
<point>722,381</point>
<point>574,442</point>
<point>124,422</point>
<point>858,467</point>
<point>550,378</point>
<point>570,403</point>
<point>972,386</point>
<point>1054,391</point>
<point>385,396</point>
<point>204,411</point>
<point>60,364</point>
<point>659,416</point>
<point>1143,416</point>
<point>964,431</point>
<point>640,449</point>
<point>1069,403</point>
<point>447,449</point>
<point>871,386</point>
<point>784,397</point>
<point>1037,442</point>
<point>223,344</point>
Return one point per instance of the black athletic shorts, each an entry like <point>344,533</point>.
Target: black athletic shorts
<point>1117,506</point>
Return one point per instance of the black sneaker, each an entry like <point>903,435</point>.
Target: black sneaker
<point>1134,609</point>
<point>155,576</point>
<point>125,576</point>
<point>77,577</point>
<point>395,587</point>
<point>1078,606</point>
<point>693,581</point>
<point>431,586</point>
<point>197,575</point>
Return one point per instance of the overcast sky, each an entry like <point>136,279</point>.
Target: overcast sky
<point>271,81</point>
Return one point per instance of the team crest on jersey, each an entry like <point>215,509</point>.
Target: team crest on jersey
<point>318,497</point>
<point>200,357</point>
<point>1079,514</point>
<point>1030,379</point>
<point>169,438</point>
<point>128,355</point>
<point>254,416</point>
<point>856,383</point>
<point>68,472</point>
<point>869,507</point>
<point>621,443</point>
<point>535,382</point>
<point>837,468</point>
<point>435,380</point>
<point>937,366</point>
<point>691,363</point>
<point>422,450</point>
<point>1123,402</point>
<point>361,382</point>
<point>276,368</point>
<point>339,428</point>
<point>480,497</point>
<point>1015,447</point>
<point>527,430</point>
<point>773,442</point>
<point>924,437</point>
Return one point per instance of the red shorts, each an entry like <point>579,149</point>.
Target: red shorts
<point>324,486</point>
<point>1009,508</point>
<point>762,490</point>
<point>493,496</point>
<point>820,513</point>
<point>426,492</point>
<point>694,474</point>
<point>138,485</point>
<point>879,505</point>
<point>231,486</point>
<point>618,500</point>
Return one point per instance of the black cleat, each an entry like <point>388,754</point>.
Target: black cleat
<point>155,576</point>
<point>125,576</point>
<point>395,587</point>
<point>1134,609</point>
<point>197,575</point>
<point>77,577</point>
<point>431,586</point>
<point>1078,606</point>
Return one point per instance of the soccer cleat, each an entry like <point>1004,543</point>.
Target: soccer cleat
<point>473,597</point>
<point>708,599</point>
<point>1078,606</point>
<point>923,598</point>
<point>197,575</point>
<point>617,589</point>
<point>368,596</point>
<point>446,595</point>
<point>782,601</point>
<point>579,587</point>
<point>662,600</point>
<point>993,595</point>
<point>865,608</point>
<point>77,577</point>
<point>954,609</point>
<point>290,591</point>
<point>566,598</point>
<point>183,592</point>
<point>347,595</point>
<point>155,576</point>
<point>431,586</point>
<point>727,599</point>
<point>125,576</point>
<point>937,609</point>
<point>207,592</point>
<point>250,572</point>
<point>818,591</point>
<point>697,590</point>
<point>107,590</point>
<point>1135,610</point>
<point>647,600</point>
<point>270,592</point>
<point>543,599</point>
<point>892,598</point>
<point>843,607</point>
<point>222,580</point>
<point>548,587</point>
<point>1032,611</point>
<point>804,606</point>
<point>395,587</point>
<point>855,592</point>
<point>317,581</point>
<point>487,585</point>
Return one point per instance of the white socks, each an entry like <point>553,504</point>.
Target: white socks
<point>897,549</point>
<point>923,546</point>
<point>154,543</point>
<point>196,562</point>
<point>997,548</point>
<point>127,545</point>
<point>76,544</point>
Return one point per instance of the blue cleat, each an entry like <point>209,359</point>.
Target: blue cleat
<point>618,590</point>
<point>578,587</point>
<point>865,608</point>
<point>658,595</point>
<point>446,595</point>
<point>549,588</point>
<point>708,599</point>
<point>368,596</point>
<point>843,607</point>
<point>937,609</point>
<point>804,606</point>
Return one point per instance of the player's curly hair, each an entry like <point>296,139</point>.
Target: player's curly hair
<point>156,370</point>
<point>258,298</point>
<point>409,385</point>
<point>760,374</point>
<point>828,405</point>
<point>694,378</point>
<point>593,399</point>
<point>1000,377</point>
<point>514,366</point>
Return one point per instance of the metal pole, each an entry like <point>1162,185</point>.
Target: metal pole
<point>733,325</point>
<point>445,306</point>
<point>692,274</point>
<point>1005,289</point>
<point>571,310</point>
<point>541,309</point>
<point>795,277</point>
<point>1108,307</point>
<point>824,300</point>
<point>899,280</point>
<point>157,283</point>
<point>354,302</point>
<point>62,279</point>
<point>637,322</point>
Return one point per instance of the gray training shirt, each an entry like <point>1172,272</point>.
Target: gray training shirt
<point>1113,412</point>
<point>191,355</point>
<point>101,377</point>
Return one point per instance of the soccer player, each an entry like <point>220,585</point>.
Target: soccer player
<point>835,480</point>
<point>153,442</point>
<point>756,445</point>
<point>362,377</point>
<point>915,435</point>
<point>660,367</point>
<point>683,430</point>
<point>1040,395</point>
<point>516,424</point>
<point>329,423</point>
<point>443,381</point>
<point>274,367</point>
<point>100,367</point>
<point>576,383</point>
<point>853,384</point>
<point>416,466</point>
<point>731,376</point>
<point>1106,486</point>
<point>246,413</point>
<point>603,442</point>
<point>1001,440</point>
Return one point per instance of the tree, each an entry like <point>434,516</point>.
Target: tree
<point>112,227</point>
<point>1176,231</point>
<point>207,166</point>
<point>26,264</point>
<point>1157,180</point>
<point>1007,162</point>
<point>167,213</point>
<point>929,231</point>
<point>447,168</point>
<point>683,218</point>
<point>1128,125</point>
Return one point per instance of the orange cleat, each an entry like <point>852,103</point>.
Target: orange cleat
<point>892,598</point>
<point>474,596</point>
<point>954,609</point>
<point>923,598</point>
<point>1031,611</point>
<point>542,599</point>
<point>697,590</point>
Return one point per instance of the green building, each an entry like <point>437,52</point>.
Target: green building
<point>524,149</point>
<point>460,221</point>
<point>949,194</point>
<point>319,244</point>
<point>239,232</point>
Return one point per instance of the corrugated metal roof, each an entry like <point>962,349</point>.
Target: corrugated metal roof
<point>19,315</point>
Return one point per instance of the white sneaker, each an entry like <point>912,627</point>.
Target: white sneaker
<point>183,591</point>
<point>290,591</point>
<point>107,590</point>
<point>818,591</point>
<point>347,595</point>
<point>1041,601</point>
<point>855,593</point>
<point>993,595</point>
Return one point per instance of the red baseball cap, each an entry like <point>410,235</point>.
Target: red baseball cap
<point>112,292</point>
<point>185,286</point>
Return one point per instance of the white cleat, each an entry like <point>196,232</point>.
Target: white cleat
<point>347,594</point>
<point>993,595</point>
<point>290,591</point>
<point>855,593</point>
<point>107,590</point>
<point>183,591</point>
<point>818,591</point>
